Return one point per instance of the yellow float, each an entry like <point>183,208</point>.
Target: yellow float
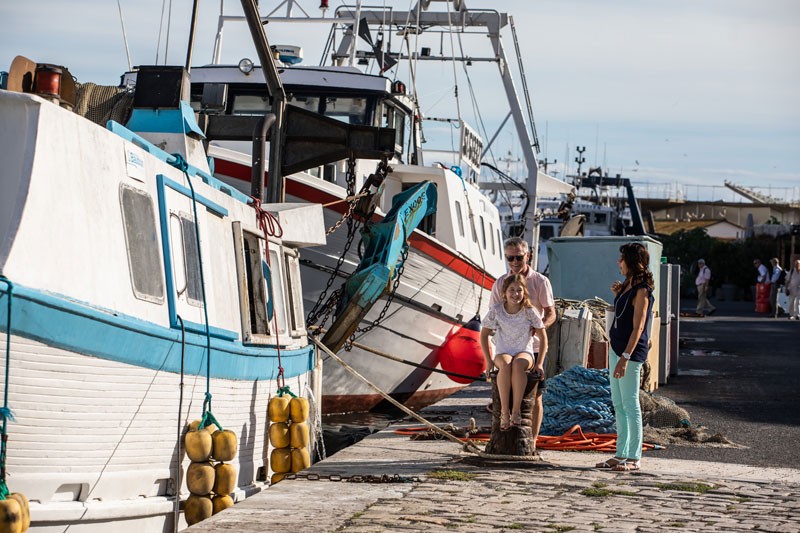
<point>224,445</point>
<point>299,435</point>
<point>300,459</point>
<point>197,509</point>
<point>298,409</point>
<point>278,409</point>
<point>279,435</point>
<point>224,479</point>
<point>197,445</point>
<point>281,460</point>
<point>200,478</point>
<point>10,516</point>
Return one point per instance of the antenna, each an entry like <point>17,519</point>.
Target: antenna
<point>124,36</point>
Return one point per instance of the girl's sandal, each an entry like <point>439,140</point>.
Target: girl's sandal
<point>611,463</point>
<point>628,465</point>
<point>516,419</point>
<point>505,422</point>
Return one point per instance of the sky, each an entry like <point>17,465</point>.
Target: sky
<point>678,95</point>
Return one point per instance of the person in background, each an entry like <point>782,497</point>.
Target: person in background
<point>702,282</point>
<point>630,336</point>
<point>513,321</point>
<point>775,282</point>
<point>541,296</point>
<point>793,290</point>
<point>763,275</point>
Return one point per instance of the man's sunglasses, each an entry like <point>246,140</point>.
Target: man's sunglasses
<point>512,258</point>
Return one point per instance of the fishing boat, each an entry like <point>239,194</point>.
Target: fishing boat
<point>446,272</point>
<point>137,292</point>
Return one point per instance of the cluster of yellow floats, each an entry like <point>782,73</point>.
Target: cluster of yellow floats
<point>209,478</point>
<point>15,513</point>
<point>289,436</point>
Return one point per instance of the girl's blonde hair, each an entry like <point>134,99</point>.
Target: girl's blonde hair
<point>518,278</point>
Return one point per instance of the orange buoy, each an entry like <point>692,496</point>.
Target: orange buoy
<point>461,352</point>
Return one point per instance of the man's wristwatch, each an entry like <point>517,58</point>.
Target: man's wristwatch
<point>626,355</point>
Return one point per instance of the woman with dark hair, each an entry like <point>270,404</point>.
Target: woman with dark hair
<point>630,336</point>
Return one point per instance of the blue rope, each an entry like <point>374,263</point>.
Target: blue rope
<point>5,411</point>
<point>578,396</point>
<point>181,164</point>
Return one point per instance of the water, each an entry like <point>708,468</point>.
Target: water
<point>343,430</point>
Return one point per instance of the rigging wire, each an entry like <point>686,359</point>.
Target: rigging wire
<point>169,29</point>
<point>160,28</point>
<point>124,36</point>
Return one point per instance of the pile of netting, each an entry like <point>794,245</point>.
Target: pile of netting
<point>582,396</point>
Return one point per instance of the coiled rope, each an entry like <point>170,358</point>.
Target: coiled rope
<point>5,411</point>
<point>580,396</point>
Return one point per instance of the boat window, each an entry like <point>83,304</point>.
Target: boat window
<point>459,218</point>
<point>491,235</point>
<point>472,229</point>
<point>141,238</point>
<point>278,294</point>
<point>499,243</point>
<point>250,104</point>
<point>351,110</point>
<point>546,232</point>
<point>483,233</point>
<point>395,118</point>
<point>295,293</point>
<point>191,261</point>
<point>256,289</point>
<point>601,218</point>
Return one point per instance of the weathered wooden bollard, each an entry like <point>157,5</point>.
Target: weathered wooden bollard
<point>519,439</point>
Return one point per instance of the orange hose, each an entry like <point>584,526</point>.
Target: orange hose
<point>573,440</point>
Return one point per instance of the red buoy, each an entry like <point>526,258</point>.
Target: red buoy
<point>461,352</point>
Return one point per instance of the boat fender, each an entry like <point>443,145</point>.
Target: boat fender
<point>279,435</point>
<point>299,434</point>
<point>197,509</point>
<point>300,459</point>
<point>298,409</point>
<point>200,478</point>
<point>461,352</point>
<point>224,479</point>
<point>224,445</point>
<point>10,516</point>
<point>195,425</point>
<point>24,507</point>
<point>220,503</point>
<point>198,445</point>
<point>281,460</point>
<point>278,409</point>
<point>277,477</point>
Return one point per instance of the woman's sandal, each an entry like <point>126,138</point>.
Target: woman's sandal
<point>628,465</point>
<point>505,422</point>
<point>611,463</point>
<point>516,419</point>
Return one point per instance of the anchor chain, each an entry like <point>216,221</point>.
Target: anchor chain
<point>321,312</point>
<point>366,478</point>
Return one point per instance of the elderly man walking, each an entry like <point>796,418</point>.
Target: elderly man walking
<point>541,295</point>
<point>704,307</point>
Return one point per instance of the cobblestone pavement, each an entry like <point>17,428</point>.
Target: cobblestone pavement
<point>447,490</point>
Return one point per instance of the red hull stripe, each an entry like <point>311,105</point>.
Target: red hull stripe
<point>418,241</point>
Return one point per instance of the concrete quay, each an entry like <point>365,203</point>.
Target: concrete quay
<point>445,491</point>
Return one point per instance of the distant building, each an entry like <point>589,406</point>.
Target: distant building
<point>718,229</point>
<point>733,212</point>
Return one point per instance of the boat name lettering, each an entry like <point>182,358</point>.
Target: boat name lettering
<point>411,209</point>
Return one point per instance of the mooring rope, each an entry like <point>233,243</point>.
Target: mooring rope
<point>580,396</point>
<point>467,446</point>
<point>5,411</point>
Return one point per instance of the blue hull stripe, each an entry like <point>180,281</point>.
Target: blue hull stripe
<point>76,327</point>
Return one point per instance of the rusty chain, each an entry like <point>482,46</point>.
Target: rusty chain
<point>366,478</point>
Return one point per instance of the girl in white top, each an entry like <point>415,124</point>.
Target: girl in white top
<point>514,322</point>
